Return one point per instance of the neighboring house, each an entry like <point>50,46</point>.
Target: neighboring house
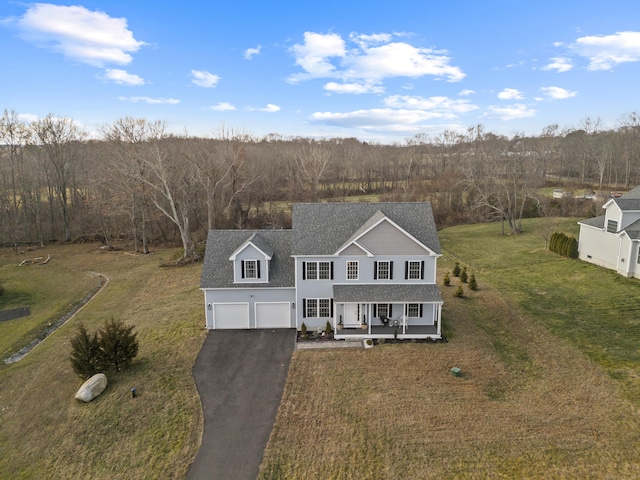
<point>369,269</point>
<point>612,240</point>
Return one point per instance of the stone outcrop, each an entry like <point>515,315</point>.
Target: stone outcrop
<point>92,387</point>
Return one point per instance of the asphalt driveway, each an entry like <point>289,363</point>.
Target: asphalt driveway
<point>240,375</point>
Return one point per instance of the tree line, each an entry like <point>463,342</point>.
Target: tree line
<point>139,185</point>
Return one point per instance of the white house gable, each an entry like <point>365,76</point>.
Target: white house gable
<point>613,218</point>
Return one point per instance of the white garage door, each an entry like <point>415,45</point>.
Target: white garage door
<point>273,315</point>
<point>230,315</point>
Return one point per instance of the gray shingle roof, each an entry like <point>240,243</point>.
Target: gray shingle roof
<point>217,270</point>
<point>627,204</point>
<point>322,228</point>
<point>387,293</point>
<point>597,222</point>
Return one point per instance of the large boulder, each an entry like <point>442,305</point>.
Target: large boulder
<point>92,387</point>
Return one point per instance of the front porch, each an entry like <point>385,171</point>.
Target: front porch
<point>409,332</point>
<point>402,311</point>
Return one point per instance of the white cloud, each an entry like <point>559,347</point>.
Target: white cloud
<point>372,59</point>
<point>354,88</point>
<point>149,100</point>
<point>511,112</point>
<point>270,108</point>
<point>466,92</point>
<point>91,37</point>
<point>222,107</point>
<point>249,53</point>
<point>313,56</point>
<point>557,93</point>
<point>606,51</point>
<point>204,79</point>
<point>510,94</point>
<point>444,106</point>
<point>559,64</point>
<point>121,77</point>
<point>28,117</point>
<point>400,60</point>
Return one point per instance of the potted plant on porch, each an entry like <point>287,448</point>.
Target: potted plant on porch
<point>364,322</point>
<point>340,322</point>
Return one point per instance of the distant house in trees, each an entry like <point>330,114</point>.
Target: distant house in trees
<point>612,240</point>
<point>369,269</point>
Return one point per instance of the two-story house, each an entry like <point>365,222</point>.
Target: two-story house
<point>612,240</point>
<point>369,269</point>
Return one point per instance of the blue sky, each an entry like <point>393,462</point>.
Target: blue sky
<point>378,71</point>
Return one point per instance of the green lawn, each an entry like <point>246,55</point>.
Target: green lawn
<point>549,387</point>
<point>45,432</point>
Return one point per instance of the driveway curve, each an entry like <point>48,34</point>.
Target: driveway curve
<point>240,375</point>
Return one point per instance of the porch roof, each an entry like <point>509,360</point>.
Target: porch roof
<point>387,293</point>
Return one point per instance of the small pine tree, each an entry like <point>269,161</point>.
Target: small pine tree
<point>118,345</point>
<point>303,330</point>
<point>327,329</point>
<point>473,284</point>
<point>463,275</point>
<point>446,281</point>
<point>456,269</point>
<point>459,292</point>
<point>84,353</point>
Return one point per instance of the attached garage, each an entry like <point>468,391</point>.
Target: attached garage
<point>231,315</point>
<point>273,315</point>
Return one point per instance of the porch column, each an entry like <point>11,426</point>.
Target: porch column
<point>404,318</point>
<point>439,316</point>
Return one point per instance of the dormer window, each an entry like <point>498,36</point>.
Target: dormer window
<point>250,269</point>
<point>612,226</point>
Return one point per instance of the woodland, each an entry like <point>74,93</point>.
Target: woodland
<point>137,185</point>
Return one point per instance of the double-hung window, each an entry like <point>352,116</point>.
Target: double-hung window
<point>382,310</point>
<point>352,270</point>
<point>250,269</point>
<point>317,270</point>
<point>414,270</point>
<point>383,270</point>
<point>317,307</point>
<point>612,226</point>
<point>414,310</point>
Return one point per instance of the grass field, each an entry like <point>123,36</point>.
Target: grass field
<point>45,432</point>
<point>549,386</point>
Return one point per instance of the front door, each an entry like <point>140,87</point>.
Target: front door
<point>351,315</point>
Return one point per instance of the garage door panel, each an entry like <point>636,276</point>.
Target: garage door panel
<point>231,315</point>
<point>273,315</point>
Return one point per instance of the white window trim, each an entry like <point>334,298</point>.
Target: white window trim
<point>317,307</point>
<point>388,271</point>
<point>409,272</point>
<point>357,264</point>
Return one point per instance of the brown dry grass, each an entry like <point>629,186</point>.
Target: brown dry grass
<point>46,433</point>
<point>527,406</point>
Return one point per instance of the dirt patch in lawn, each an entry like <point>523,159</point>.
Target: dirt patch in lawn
<point>527,405</point>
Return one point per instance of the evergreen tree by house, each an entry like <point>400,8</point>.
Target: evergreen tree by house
<point>563,244</point>
<point>118,345</point>
<point>446,281</point>
<point>111,349</point>
<point>463,275</point>
<point>473,284</point>
<point>456,269</point>
<point>459,292</point>
<point>84,353</point>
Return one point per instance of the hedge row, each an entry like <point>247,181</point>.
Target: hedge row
<point>563,244</point>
